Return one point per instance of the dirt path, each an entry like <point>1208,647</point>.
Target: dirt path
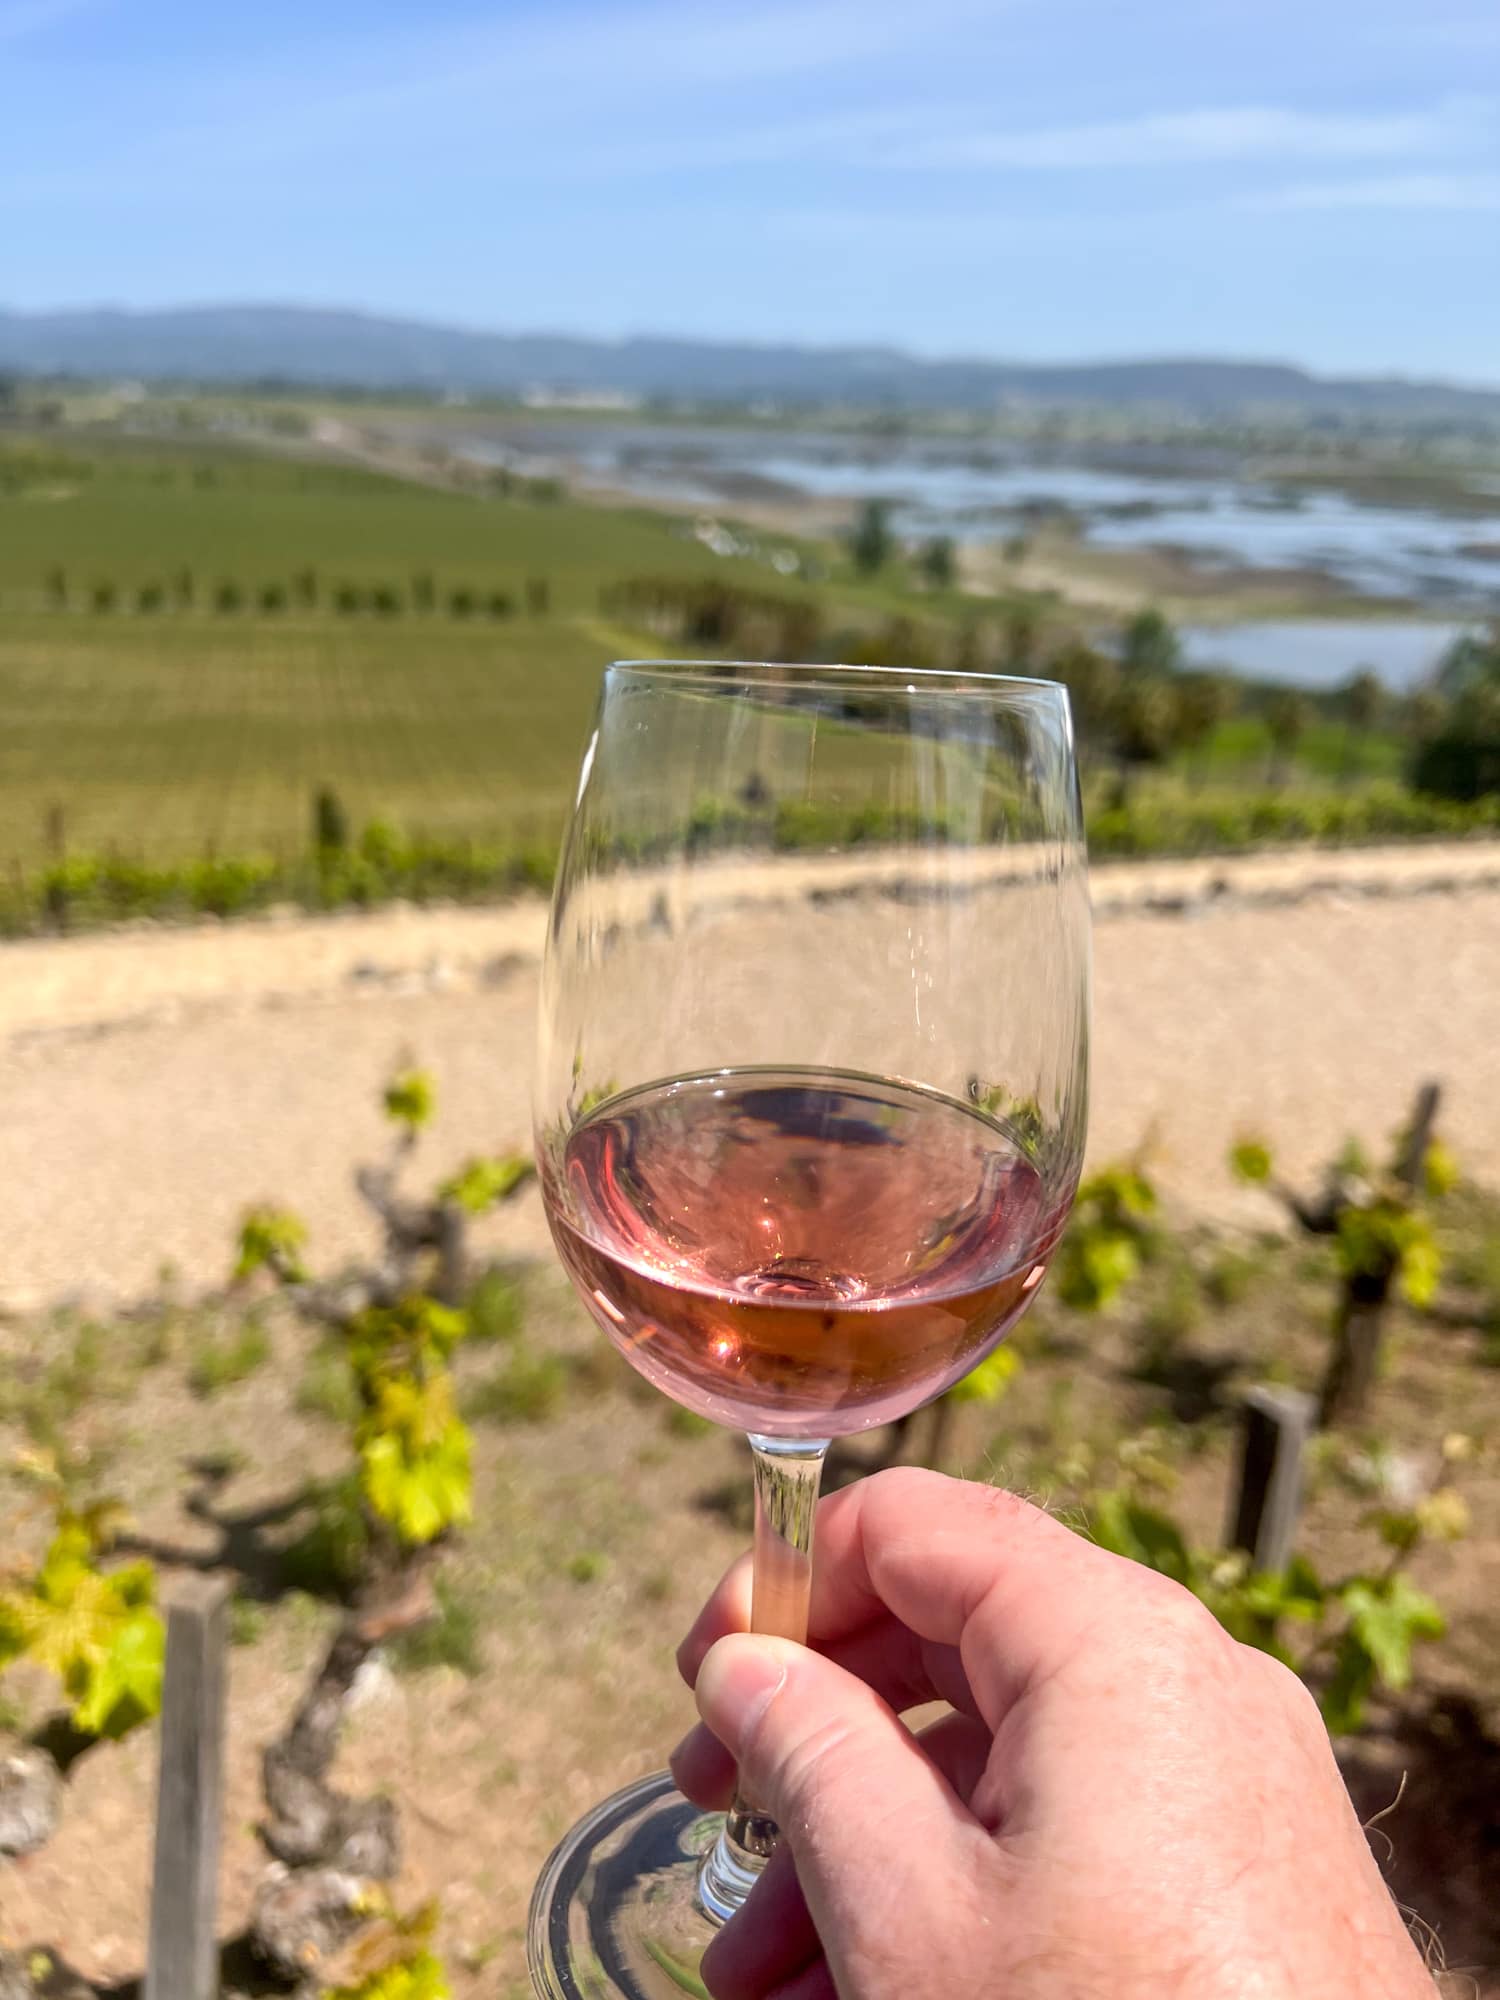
<point>154,1083</point>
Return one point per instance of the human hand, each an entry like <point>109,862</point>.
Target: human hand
<point>1125,1802</point>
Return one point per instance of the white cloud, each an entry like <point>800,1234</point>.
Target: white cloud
<point>655,85</point>
<point>1184,138</point>
<point>951,138</point>
<point>1464,193</point>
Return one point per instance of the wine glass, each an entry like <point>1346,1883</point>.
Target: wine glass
<point>810,1114</point>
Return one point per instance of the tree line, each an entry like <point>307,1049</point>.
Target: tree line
<point>1135,701</point>
<point>422,595</point>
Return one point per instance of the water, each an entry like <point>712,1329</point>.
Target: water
<point>1323,652</point>
<point>1193,500</point>
<point>1377,551</point>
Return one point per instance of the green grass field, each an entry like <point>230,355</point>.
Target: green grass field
<point>188,726</point>
<point>128,515</point>
<point>162,737</point>
<point>166,732</point>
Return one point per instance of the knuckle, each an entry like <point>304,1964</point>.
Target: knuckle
<point>1288,1690</point>
<point>1174,1642</point>
<point>900,1486</point>
<point>1171,1609</point>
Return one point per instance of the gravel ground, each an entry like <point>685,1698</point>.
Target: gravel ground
<point>152,1083</point>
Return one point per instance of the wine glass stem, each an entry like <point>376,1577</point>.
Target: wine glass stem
<point>787,1475</point>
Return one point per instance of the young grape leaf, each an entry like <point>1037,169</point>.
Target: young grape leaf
<point>1440,1175</point>
<point>483,1184</point>
<point>419,1977</point>
<point>1250,1160</point>
<point>1420,1266</point>
<point>410,1099</point>
<point>989,1381</point>
<point>271,1239</point>
<point>124,1687</point>
<point>1385,1618</point>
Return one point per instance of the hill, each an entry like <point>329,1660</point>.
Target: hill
<point>307,346</point>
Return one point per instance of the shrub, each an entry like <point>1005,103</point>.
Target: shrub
<point>705,612</point>
<point>461,603</point>
<point>1149,647</point>
<point>872,544</point>
<point>1462,762</point>
<point>937,562</point>
<point>499,604</point>
<point>149,599</point>
<point>330,822</point>
<point>103,598</point>
<point>272,599</point>
<point>228,598</point>
<point>1458,756</point>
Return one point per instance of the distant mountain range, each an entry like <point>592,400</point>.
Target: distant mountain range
<point>309,347</point>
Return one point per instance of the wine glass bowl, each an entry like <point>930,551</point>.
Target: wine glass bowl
<point>800,1253</point>
<point>810,1110</point>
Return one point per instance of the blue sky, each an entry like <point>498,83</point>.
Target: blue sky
<point>1315,180</point>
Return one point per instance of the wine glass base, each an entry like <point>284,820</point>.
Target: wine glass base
<point>617,1910</point>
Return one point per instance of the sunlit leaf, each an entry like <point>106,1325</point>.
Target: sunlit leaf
<point>1250,1160</point>
<point>1440,1175</point>
<point>271,1239</point>
<point>1385,1618</point>
<point>484,1183</point>
<point>989,1381</point>
<point>410,1098</point>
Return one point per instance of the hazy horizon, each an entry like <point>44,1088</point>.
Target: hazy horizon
<point>525,330</point>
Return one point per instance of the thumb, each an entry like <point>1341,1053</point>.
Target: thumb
<point>874,1827</point>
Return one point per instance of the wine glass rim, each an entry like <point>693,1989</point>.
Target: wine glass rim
<point>839,675</point>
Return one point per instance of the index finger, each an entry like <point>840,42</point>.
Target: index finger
<point>957,1565</point>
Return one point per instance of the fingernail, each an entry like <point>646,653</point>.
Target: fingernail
<point>736,1683</point>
